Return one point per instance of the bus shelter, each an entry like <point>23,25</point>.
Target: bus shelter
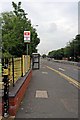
<point>35,61</point>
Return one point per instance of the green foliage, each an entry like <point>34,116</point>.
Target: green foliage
<point>57,54</point>
<point>13,27</point>
<point>72,50</point>
<point>44,55</point>
<point>0,38</point>
<point>7,54</point>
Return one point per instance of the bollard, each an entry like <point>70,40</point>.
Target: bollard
<point>6,90</point>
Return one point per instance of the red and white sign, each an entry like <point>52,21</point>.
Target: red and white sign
<point>27,36</point>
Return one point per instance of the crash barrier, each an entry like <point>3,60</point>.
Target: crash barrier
<point>67,62</point>
<point>16,74</point>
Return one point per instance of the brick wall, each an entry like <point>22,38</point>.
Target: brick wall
<point>14,102</point>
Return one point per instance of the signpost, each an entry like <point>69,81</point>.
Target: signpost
<point>27,38</point>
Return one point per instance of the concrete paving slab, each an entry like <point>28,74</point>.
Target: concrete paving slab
<point>41,94</point>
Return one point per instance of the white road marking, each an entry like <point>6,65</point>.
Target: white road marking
<point>44,72</point>
<point>22,108</point>
<point>43,67</point>
<point>61,69</point>
<point>41,94</point>
<point>76,69</point>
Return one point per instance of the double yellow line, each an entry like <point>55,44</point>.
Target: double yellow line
<point>71,80</point>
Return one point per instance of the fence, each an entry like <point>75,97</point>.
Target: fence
<point>17,67</point>
<point>26,65</point>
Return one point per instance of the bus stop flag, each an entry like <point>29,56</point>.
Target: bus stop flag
<point>27,36</point>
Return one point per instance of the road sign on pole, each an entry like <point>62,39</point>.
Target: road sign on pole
<point>27,36</point>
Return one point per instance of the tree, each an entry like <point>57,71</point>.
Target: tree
<point>71,51</point>
<point>0,38</point>
<point>13,27</point>
<point>57,54</point>
<point>44,55</point>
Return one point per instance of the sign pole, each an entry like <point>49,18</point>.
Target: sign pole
<point>27,41</point>
<point>27,48</point>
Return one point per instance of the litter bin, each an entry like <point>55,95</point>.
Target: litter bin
<point>35,61</point>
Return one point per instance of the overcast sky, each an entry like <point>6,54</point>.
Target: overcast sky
<point>57,21</point>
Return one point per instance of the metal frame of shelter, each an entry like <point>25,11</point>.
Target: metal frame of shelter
<point>35,61</point>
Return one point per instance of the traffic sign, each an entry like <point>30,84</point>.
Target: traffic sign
<point>27,36</point>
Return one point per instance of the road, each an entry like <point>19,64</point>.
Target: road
<point>52,92</point>
<point>69,70</point>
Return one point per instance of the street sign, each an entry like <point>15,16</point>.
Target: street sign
<point>27,36</point>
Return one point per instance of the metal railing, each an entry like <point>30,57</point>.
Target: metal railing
<point>11,69</point>
<point>17,67</point>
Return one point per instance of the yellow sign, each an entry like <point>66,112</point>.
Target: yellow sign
<point>5,71</point>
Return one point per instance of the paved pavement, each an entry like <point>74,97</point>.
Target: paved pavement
<point>49,95</point>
